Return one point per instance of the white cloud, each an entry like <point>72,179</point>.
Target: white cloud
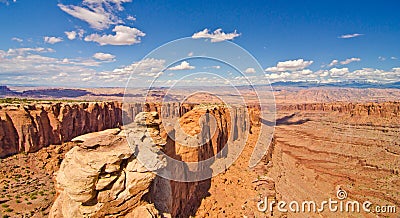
<point>149,67</point>
<point>52,39</point>
<point>80,33</point>
<point>291,65</point>
<point>7,2</point>
<point>305,72</point>
<point>333,63</point>
<point>345,62</point>
<point>123,36</point>
<point>25,51</point>
<point>33,63</point>
<point>393,58</point>
<point>382,58</point>
<point>104,56</point>
<point>250,70</point>
<point>97,18</point>
<point>348,36</point>
<point>216,36</point>
<point>336,75</point>
<point>190,54</point>
<point>335,72</point>
<point>213,67</point>
<point>184,65</point>
<point>70,35</point>
<point>349,60</point>
<point>131,18</point>
<point>99,14</point>
<point>17,39</point>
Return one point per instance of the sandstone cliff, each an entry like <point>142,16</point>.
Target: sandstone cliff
<point>27,128</point>
<point>101,176</point>
<point>386,109</point>
<point>108,179</point>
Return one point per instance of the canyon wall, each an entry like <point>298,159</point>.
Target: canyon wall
<point>27,128</point>
<point>386,109</point>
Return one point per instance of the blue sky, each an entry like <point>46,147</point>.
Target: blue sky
<point>97,42</point>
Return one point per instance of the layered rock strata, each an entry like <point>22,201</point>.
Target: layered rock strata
<point>27,128</point>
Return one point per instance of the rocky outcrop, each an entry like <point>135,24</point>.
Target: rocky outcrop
<point>101,176</point>
<point>386,109</point>
<point>27,128</point>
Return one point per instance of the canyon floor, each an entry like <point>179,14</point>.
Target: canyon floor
<point>314,154</point>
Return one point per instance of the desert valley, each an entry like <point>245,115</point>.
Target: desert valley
<point>70,158</point>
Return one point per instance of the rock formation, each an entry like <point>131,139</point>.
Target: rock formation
<point>104,176</point>
<point>27,128</point>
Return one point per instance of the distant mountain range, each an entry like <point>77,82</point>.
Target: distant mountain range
<point>75,93</point>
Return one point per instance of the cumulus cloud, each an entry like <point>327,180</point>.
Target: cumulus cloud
<point>104,56</point>
<point>131,18</point>
<point>99,14</point>
<point>184,65</point>
<point>149,67</point>
<point>250,70</point>
<point>124,35</point>
<point>70,35</point>
<point>348,36</point>
<point>217,36</point>
<point>349,60</point>
<point>336,72</point>
<point>333,63</point>
<point>52,39</point>
<point>345,62</point>
<point>291,65</point>
<point>17,39</point>
<point>393,58</point>
<point>335,75</point>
